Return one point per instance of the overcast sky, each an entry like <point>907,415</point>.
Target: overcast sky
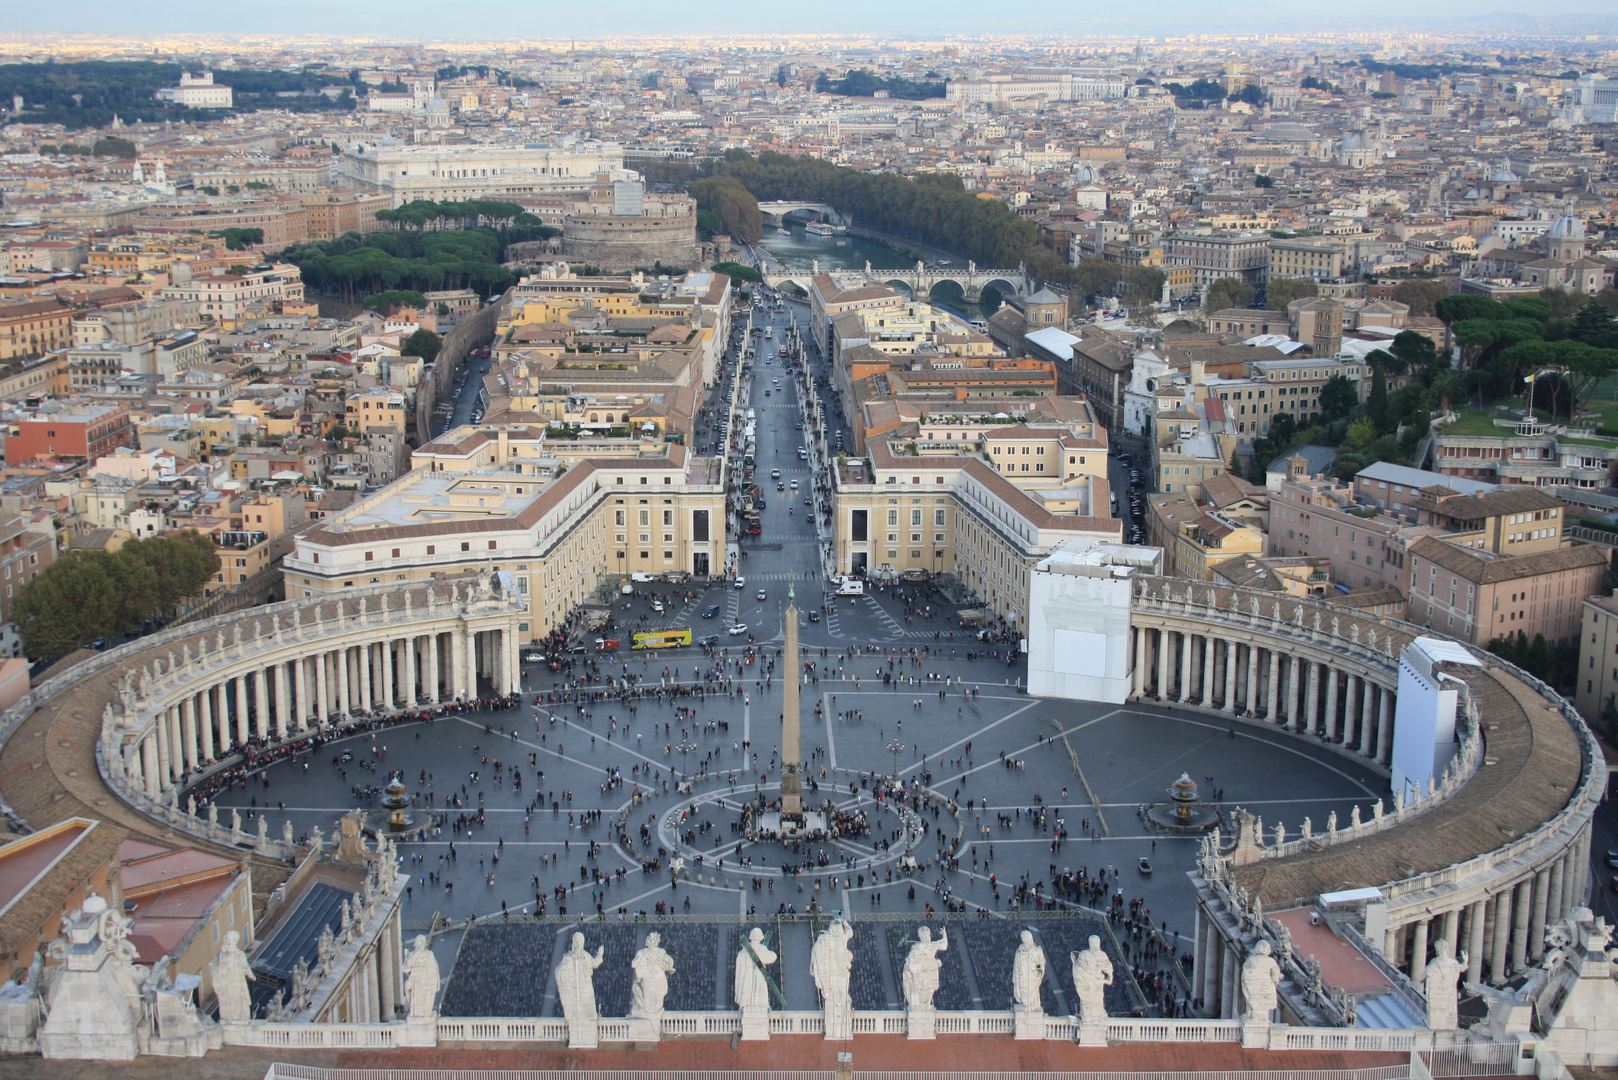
<point>530,20</point>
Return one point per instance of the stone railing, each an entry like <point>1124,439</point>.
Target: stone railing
<point>467,1031</point>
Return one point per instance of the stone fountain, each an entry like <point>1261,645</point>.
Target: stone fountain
<point>1182,813</point>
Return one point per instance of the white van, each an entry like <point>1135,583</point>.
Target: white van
<point>851,587</point>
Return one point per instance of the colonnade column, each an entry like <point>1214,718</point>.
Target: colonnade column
<point>471,663</point>
<point>1418,952</point>
<point>1185,668</point>
<point>205,725</point>
<point>165,756</point>
<point>1230,676</point>
<point>1520,903</point>
<point>1163,664</point>
<point>1295,695</point>
<point>386,696</point>
<point>149,768</point>
<point>1385,727</point>
<point>1369,692</point>
<point>1271,712</point>
<point>261,702</point>
<point>283,706</point>
<point>1354,687</point>
<point>367,699</point>
<point>1536,921</point>
<point>1475,914</point>
<point>188,732</point>
<point>1501,937</point>
<point>341,657</point>
<point>322,690</point>
<point>1209,648</point>
<point>407,670</point>
<point>1312,707</point>
<point>1250,699</point>
<point>1227,985</point>
<point>1328,724</point>
<point>433,680</point>
<point>1140,660</point>
<point>241,709</point>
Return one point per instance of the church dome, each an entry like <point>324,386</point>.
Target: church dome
<point>1355,140</point>
<point>1567,227</point>
<point>1505,176</point>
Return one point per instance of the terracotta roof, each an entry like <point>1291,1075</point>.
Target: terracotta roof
<point>1486,569</point>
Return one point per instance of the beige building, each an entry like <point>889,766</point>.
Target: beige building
<point>498,498</point>
<point>1478,596</point>
<point>1598,662</point>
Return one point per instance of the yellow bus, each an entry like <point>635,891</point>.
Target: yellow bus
<point>661,639</point>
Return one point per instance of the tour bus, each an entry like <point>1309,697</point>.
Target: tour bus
<point>661,639</point>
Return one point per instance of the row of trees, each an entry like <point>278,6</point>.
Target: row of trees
<point>410,260</point>
<point>1563,343</point>
<point>930,208</point>
<point>724,205</point>
<point>861,83</point>
<point>89,595</point>
<point>495,213</point>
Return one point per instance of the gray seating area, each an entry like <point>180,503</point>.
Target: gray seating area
<point>298,937</point>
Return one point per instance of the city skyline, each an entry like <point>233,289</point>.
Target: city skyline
<point>514,21</point>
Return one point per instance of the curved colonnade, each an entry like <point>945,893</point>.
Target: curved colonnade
<point>174,707</point>
<point>1498,852</point>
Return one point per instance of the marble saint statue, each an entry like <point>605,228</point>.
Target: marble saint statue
<point>421,975</point>
<point>229,973</point>
<point>575,983</point>
<point>1092,974</point>
<point>1443,999</point>
<point>1260,976</point>
<point>1028,973</point>
<point>652,966</point>
<point>752,984</point>
<point>921,969</point>
<point>831,962</point>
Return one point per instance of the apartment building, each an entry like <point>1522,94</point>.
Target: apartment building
<point>831,297</point>
<point>72,430</point>
<point>1215,255</point>
<point>449,172</point>
<point>329,215</point>
<point>1508,521</point>
<point>224,297</point>
<point>284,220</point>
<point>1598,662</point>
<point>1477,595</point>
<point>1313,259</point>
<point>1319,516</point>
<point>32,328</point>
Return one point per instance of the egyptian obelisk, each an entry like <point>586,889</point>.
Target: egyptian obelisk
<point>791,760</point>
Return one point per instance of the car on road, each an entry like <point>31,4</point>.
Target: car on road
<point>762,595</point>
<point>780,487</point>
<point>1612,857</point>
<point>738,630</point>
<point>708,639</point>
<point>710,611</point>
<point>775,474</point>
<point>814,616</point>
<point>808,500</point>
<point>741,583</point>
<point>640,576</point>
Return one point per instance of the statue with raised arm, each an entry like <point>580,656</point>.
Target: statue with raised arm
<point>1028,974</point>
<point>1443,999</point>
<point>652,966</point>
<point>421,980</point>
<point>830,963</point>
<point>229,972</point>
<point>1092,974</point>
<point>921,969</point>
<point>1260,977</point>
<point>575,986</point>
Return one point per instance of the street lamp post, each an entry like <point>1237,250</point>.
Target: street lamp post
<point>893,748</point>
<point>685,747</point>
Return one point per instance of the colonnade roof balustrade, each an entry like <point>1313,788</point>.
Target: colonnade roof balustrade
<point>1536,778</point>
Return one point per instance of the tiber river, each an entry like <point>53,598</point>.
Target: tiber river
<point>800,250</point>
